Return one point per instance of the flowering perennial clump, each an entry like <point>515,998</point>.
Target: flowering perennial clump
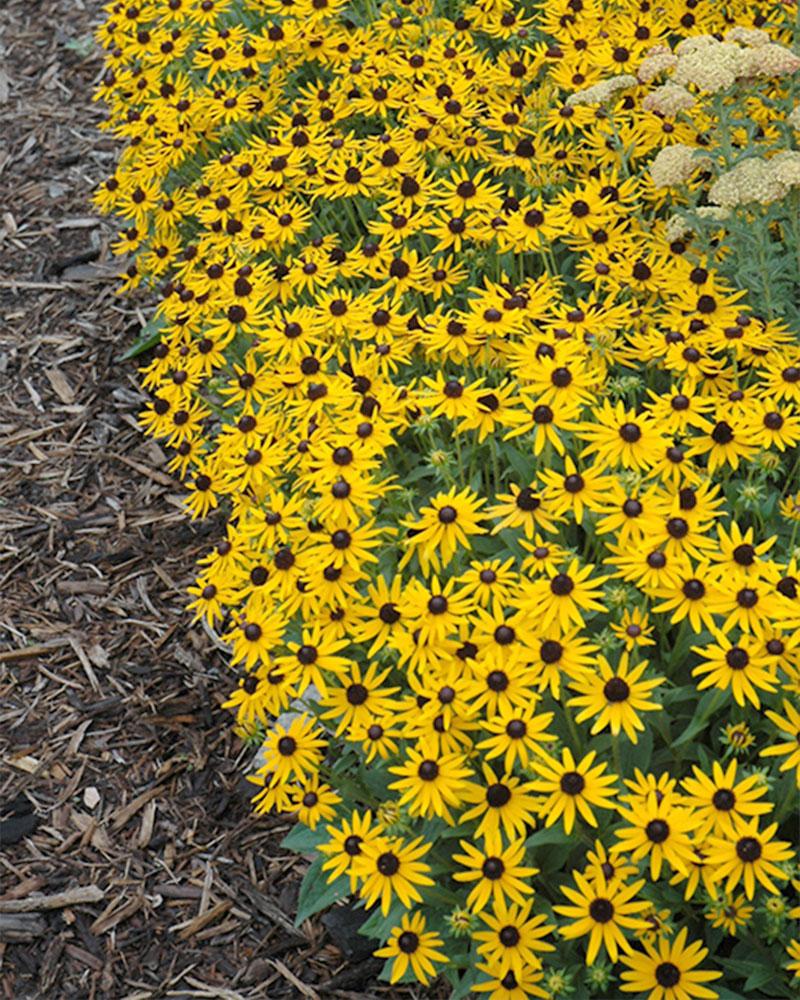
<point>478,324</point>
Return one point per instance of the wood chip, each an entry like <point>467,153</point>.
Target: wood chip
<point>203,919</point>
<point>60,384</point>
<point>107,922</point>
<point>124,815</point>
<point>19,927</point>
<point>148,822</point>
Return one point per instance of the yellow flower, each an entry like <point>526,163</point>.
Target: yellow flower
<point>658,830</point>
<point>514,938</point>
<point>430,783</point>
<point>502,804</point>
<point>573,787</point>
<point>497,876</point>
<point>720,800</point>
<point>668,970</point>
<point>601,910</point>
<point>410,944</point>
<point>293,751</point>
<point>441,528</point>
<point>615,696</point>
<point>387,867</point>
<point>730,913</point>
<point>747,855</point>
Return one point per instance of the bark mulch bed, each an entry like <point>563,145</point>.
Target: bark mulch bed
<point>131,865</point>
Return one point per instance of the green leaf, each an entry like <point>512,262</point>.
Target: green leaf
<point>380,927</point>
<point>462,984</point>
<point>760,977</point>
<point>303,840</point>
<point>149,336</point>
<point>703,712</point>
<point>636,754</point>
<point>548,835</point>
<point>723,993</point>
<point>521,462</point>
<point>316,893</point>
<point>375,777</point>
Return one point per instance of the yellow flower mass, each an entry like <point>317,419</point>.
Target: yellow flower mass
<point>476,339</point>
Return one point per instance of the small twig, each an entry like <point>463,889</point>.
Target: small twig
<point>29,652</point>
<point>70,897</point>
<point>290,977</point>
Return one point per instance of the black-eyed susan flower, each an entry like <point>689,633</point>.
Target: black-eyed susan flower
<point>516,734</point>
<point>434,609</point>
<point>357,697</point>
<point>634,629</point>
<point>431,784</point>
<point>490,581</point>
<point>619,437</point>
<point>510,986</point>
<point>388,868</point>
<point>348,839</point>
<point>314,801</point>
<point>496,876</point>
<point>731,913</point>
<point>314,657</point>
<point>601,910</point>
<point>658,830</point>
<point>691,594</point>
<point>411,945</point>
<point>737,737</point>
<point>736,665</point>
<point>503,803</point>
<point>572,787</point>
<point>263,693</point>
<point>442,527</point>
<point>522,508</point>
<point>749,855</point>
<point>615,696</point>
<point>667,970</point>
<point>253,640</point>
<point>293,751</point>
<point>720,800</point>
<point>513,938</point>
<point>564,598</point>
<point>498,688</point>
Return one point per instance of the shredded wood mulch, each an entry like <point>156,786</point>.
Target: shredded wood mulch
<point>131,865</point>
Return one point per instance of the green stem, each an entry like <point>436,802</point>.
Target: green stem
<point>616,755</point>
<point>764,271</point>
<point>573,731</point>
<point>495,465</point>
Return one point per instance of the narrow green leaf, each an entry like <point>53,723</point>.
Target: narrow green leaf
<point>149,336</point>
